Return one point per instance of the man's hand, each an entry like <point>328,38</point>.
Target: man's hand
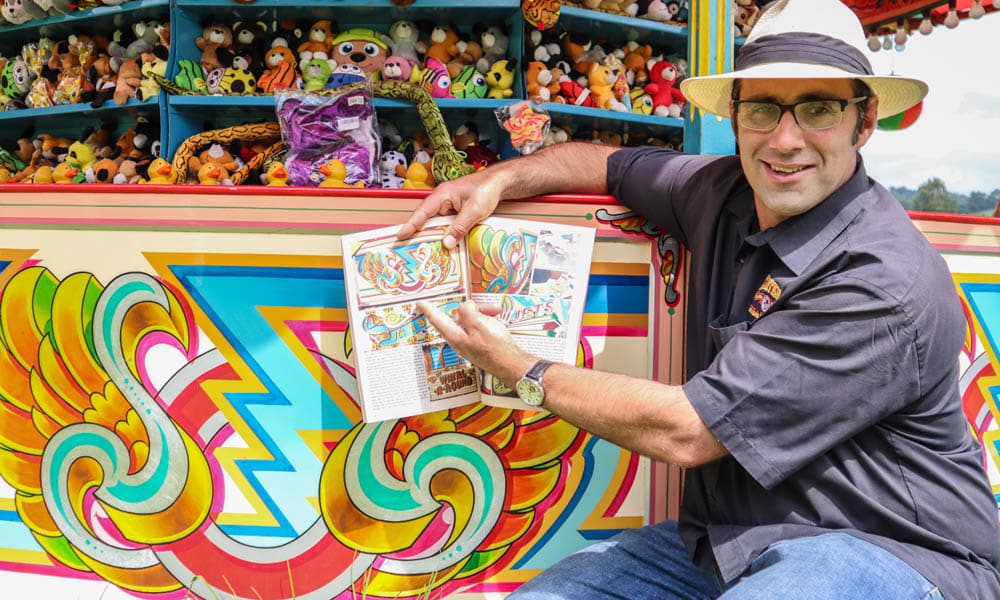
<point>481,339</point>
<point>473,197</point>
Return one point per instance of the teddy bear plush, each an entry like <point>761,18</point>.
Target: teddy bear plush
<point>494,40</point>
<point>213,37</point>
<point>129,79</point>
<point>404,40</point>
<point>541,86</point>
<point>319,39</point>
<point>667,98</point>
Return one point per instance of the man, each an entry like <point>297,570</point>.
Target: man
<point>827,452</point>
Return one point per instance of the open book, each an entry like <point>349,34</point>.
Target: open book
<point>536,272</point>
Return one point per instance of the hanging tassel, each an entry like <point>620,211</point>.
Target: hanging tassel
<point>977,10</point>
<point>873,43</point>
<point>951,20</point>
<point>901,35</point>
<point>926,27</point>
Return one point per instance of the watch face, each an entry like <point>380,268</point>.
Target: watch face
<point>530,392</point>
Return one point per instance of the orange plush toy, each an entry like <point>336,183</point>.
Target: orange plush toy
<point>280,71</point>
<point>318,42</point>
<point>540,82</point>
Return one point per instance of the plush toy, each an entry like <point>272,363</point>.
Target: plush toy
<point>103,78</point>
<point>190,75</point>
<point>667,98</point>
<point>578,47</point>
<point>397,67</point>
<point>213,37</point>
<point>213,174</point>
<point>744,17</point>
<point>64,173</point>
<point>279,70</point>
<point>444,44</point>
<point>315,73</point>
<point>539,83</point>
<point>19,12</point>
<point>69,85</point>
<point>154,61</point>
<point>128,81</point>
<point>276,174</point>
<point>601,80</point>
<point>345,74</point>
<point>416,177</point>
<point>362,47</point>
<point>641,102</point>
<point>57,7</point>
<point>80,156</point>
<point>574,93</point>
<point>435,79</point>
<point>634,59</point>
<point>319,39</point>
<point>146,35</point>
<point>404,40</point>
<point>237,79</point>
<point>392,168</point>
<point>500,78</point>
<point>494,39</point>
<point>335,175</point>
<point>469,53</point>
<point>249,40</point>
<point>159,171</point>
<point>104,170</point>
<point>215,154</point>
<point>469,83</point>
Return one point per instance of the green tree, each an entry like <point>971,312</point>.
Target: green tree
<point>932,196</point>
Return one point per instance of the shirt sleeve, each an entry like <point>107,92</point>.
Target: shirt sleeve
<point>837,358</point>
<point>679,192</point>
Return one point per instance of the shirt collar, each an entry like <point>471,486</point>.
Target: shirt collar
<point>797,241</point>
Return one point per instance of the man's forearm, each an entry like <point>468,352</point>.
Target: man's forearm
<point>570,168</point>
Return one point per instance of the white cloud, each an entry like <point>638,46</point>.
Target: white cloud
<point>958,132</point>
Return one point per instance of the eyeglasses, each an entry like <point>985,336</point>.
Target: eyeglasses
<point>808,114</point>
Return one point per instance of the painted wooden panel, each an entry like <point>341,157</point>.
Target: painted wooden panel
<point>177,413</point>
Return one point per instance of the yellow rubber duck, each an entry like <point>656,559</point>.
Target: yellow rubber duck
<point>42,175</point>
<point>416,177</point>
<point>277,174</point>
<point>335,173</point>
<point>160,171</point>
<point>213,174</point>
<point>64,173</point>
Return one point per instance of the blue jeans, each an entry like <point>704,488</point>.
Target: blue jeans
<point>651,562</point>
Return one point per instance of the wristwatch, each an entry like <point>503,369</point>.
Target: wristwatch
<point>529,388</point>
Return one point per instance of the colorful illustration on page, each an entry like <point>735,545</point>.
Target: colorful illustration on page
<point>544,316</point>
<point>402,324</point>
<point>448,374</point>
<point>417,268</point>
<point>500,261</point>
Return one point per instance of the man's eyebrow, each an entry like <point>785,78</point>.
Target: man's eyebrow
<point>801,98</point>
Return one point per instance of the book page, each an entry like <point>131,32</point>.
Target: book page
<point>537,274</point>
<point>404,367</point>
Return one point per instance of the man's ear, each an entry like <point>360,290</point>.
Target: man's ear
<point>870,121</point>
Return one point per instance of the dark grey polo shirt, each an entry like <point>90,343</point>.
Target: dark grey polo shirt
<point>823,354</point>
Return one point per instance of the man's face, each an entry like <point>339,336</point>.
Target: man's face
<point>792,169</point>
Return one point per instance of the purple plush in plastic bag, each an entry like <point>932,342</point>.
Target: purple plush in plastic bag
<point>339,124</point>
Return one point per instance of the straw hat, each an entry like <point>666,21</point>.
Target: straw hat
<point>805,39</point>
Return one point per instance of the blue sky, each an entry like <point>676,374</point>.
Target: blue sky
<point>957,137</point>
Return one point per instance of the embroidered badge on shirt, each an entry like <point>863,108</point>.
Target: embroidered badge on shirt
<point>765,296</point>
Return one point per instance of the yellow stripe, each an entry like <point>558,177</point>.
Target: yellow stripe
<point>616,320</point>
<point>614,268</point>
